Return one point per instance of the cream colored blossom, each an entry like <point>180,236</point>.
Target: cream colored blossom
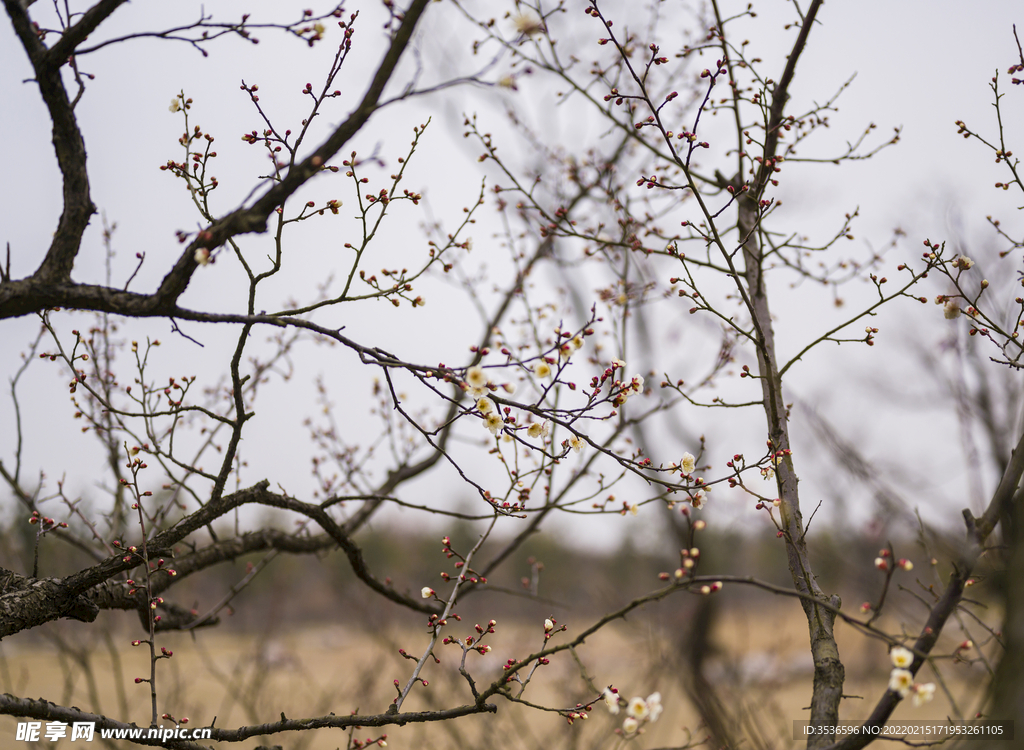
<point>527,22</point>
<point>575,443</point>
<point>900,681</point>
<point>654,705</point>
<point>630,725</point>
<point>426,592</point>
<point>951,309</point>
<point>611,700</point>
<point>688,463</point>
<point>485,405</point>
<point>175,104</point>
<point>542,369</point>
<point>493,422</point>
<point>924,693</point>
<point>539,429</point>
<point>476,377</point>
<point>901,657</point>
<point>638,708</point>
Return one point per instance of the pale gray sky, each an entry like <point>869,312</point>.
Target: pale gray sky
<point>920,65</point>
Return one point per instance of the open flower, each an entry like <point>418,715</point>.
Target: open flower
<point>485,405</point>
<point>687,463</point>
<point>611,700</point>
<point>901,657</point>
<point>638,708</point>
<point>542,370</point>
<point>575,443</point>
<point>539,429</point>
<point>476,377</point>
<point>654,705</point>
<point>630,725</point>
<point>923,693</point>
<point>527,22</point>
<point>901,681</point>
<point>493,422</point>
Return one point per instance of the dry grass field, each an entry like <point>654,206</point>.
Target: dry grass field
<point>758,662</point>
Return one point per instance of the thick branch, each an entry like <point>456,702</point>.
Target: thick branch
<point>26,603</point>
<point>51,286</point>
<point>978,531</point>
<point>44,710</point>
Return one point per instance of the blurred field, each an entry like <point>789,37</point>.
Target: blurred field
<point>756,659</point>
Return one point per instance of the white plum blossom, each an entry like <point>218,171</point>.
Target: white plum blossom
<point>951,309</point>
<point>654,705</point>
<point>611,700</point>
<point>639,711</point>
<point>575,443</point>
<point>202,256</point>
<point>539,429</point>
<point>901,657</point>
<point>900,681</point>
<point>638,708</point>
<point>923,693</point>
<point>493,422</point>
<point>426,592</point>
<point>697,499</point>
<point>618,364</point>
<point>542,370</point>
<point>548,625</point>
<point>687,463</point>
<point>527,22</point>
<point>476,377</point>
<point>175,104</point>
<point>485,405</point>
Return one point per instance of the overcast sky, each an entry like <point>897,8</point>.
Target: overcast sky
<point>919,65</point>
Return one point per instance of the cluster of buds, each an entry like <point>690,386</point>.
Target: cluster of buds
<point>45,523</point>
<point>474,643</point>
<point>571,344</point>
<point>368,742</point>
<point>550,628</point>
<point>883,564</point>
<point>571,716</point>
